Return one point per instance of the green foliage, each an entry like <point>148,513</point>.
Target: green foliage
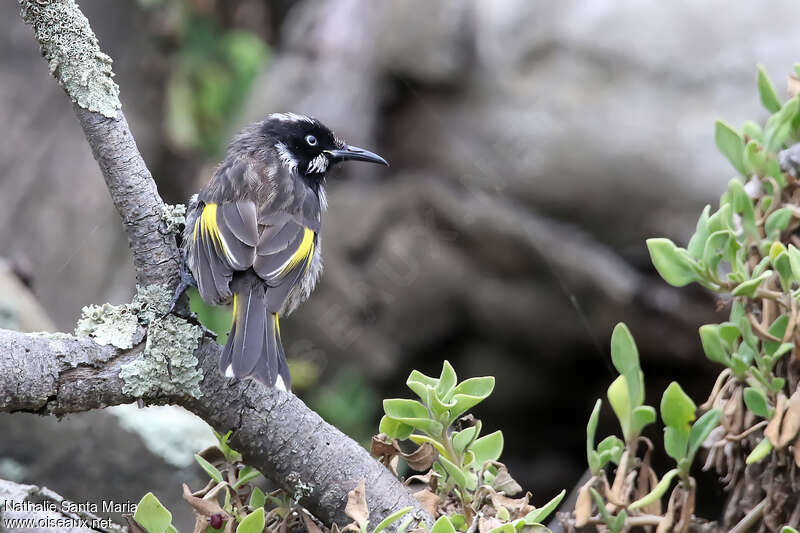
<point>213,70</point>
<point>152,515</point>
<point>626,393</point>
<point>348,401</point>
<point>463,455</point>
<point>252,523</point>
<point>465,462</point>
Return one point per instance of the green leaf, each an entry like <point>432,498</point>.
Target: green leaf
<point>591,429</point>
<point>230,454</point>
<point>730,143</point>
<point>756,402</point>
<point>488,448</point>
<point>755,158</point>
<point>618,398</point>
<point>505,528</point>
<point>246,475</point>
<point>609,450</point>
<point>655,494</point>
<point>642,416</point>
<point>676,442</point>
<point>788,529</point>
<point>718,247</point>
<point>625,357</point>
<point>447,381</point>
<point>394,429</point>
<point>210,469</point>
<point>794,260</point>
<point>399,408</point>
<point>257,498</point>
<point>391,519</point>
<point>171,529</point>
<point>454,471</point>
<point>783,266</point>
<point>698,241</point>
<point>769,98</point>
<point>470,393</point>
<point>462,438</point>
<point>779,125</point>
<point>701,430</point>
<point>773,169</point>
<point>539,515</point>
<point>760,452</point>
<point>417,382</point>
<point>252,523</point>
<point>753,131</point>
<point>673,264</point>
<point>749,288</point>
<point>776,329</point>
<point>677,409</point>
<point>742,204</point>
<point>443,525</point>
<point>713,346</point>
<point>422,439</point>
<point>777,222</point>
<point>412,413</point>
<point>152,515</point>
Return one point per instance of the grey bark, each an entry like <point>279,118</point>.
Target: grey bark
<point>56,374</point>
<point>275,431</point>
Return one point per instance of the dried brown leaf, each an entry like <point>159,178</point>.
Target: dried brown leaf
<point>515,506</point>
<point>422,458</point>
<point>381,448</point>
<point>583,504</point>
<point>213,455</point>
<point>428,500</point>
<point>429,479</point>
<point>311,526</point>
<point>791,421</point>
<point>200,523</point>
<point>356,507</point>
<point>666,523</point>
<point>792,85</point>
<point>773,429</point>
<point>503,482</point>
<point>797,451</point>
<point>487,524</point>
<point>133,525</point>
<point>201,506</point>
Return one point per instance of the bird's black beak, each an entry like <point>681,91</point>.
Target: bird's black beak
<point>354,153</point>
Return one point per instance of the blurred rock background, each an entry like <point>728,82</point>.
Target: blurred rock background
<point>534,146</point>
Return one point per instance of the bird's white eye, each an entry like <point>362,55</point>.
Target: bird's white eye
<point>311,140</point>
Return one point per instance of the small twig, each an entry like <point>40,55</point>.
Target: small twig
<point>750,518</point>
<point>760,331</point>
<point>740,436</point>
<point>716,390</point>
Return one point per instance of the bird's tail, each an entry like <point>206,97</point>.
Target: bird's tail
<point>254,345</point>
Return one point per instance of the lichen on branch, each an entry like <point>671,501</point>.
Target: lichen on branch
<point>73,53</point>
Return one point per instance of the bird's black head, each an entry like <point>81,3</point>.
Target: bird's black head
<point>307,146</point>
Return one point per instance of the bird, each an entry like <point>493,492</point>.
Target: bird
<point>252,236</point>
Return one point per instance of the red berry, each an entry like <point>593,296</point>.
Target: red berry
<point>215,520</point>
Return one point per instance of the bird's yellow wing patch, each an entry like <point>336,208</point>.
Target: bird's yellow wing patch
<point>304,252</point>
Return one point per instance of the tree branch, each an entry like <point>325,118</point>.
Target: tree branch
<point>58,373</point>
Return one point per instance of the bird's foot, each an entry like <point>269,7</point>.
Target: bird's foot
<point>186,281</point>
